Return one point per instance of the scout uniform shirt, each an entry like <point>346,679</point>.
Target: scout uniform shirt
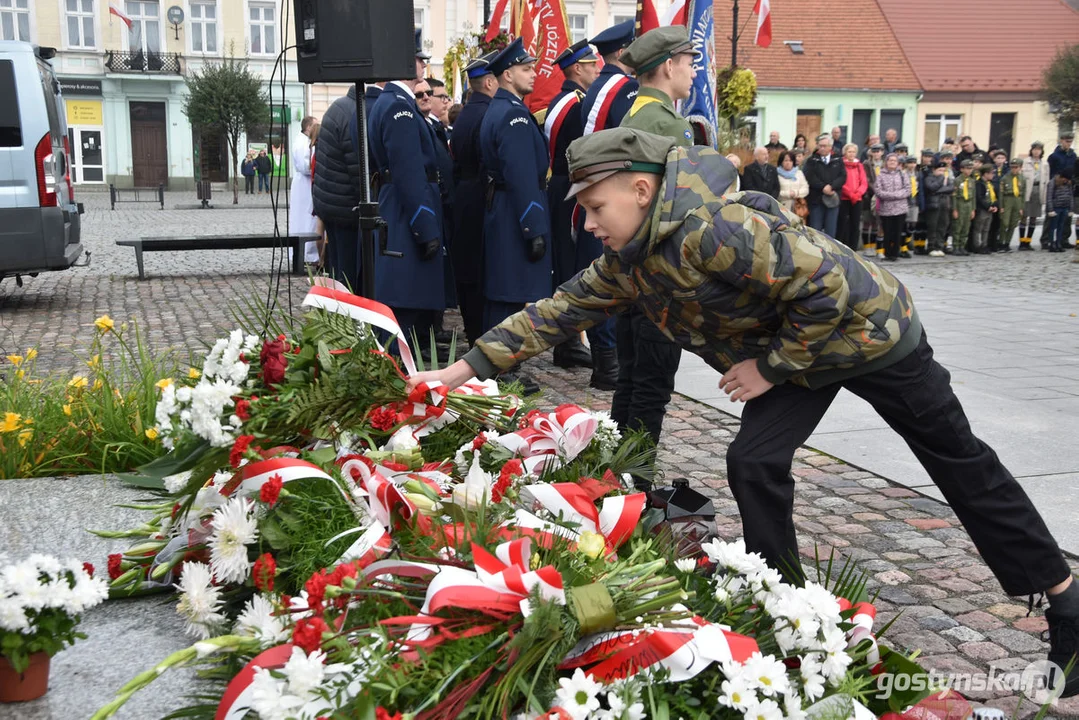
<point>653,111</point>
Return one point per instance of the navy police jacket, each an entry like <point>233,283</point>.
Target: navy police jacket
<point>470,180</point>
<point>513,150</point>
<point>403,151</point>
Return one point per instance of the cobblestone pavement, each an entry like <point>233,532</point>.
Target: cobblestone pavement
<point>950,608</point>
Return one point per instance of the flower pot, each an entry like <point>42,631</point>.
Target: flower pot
<point>28,685</point>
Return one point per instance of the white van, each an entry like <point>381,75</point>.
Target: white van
<point>39,219</point>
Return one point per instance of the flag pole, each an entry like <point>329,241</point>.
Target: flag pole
<point>734,35</point>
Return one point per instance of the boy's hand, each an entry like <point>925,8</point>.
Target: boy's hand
<point>451,377</point>
<point>1051,213</point>
<point>955,214</point>
<point>972,213</point>
<point>744,382</point>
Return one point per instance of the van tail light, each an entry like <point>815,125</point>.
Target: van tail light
<point>67,171</point>
<point>45,163</point>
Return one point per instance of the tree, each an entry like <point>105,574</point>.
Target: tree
<point>225,97</point>
<point>1062,84</point>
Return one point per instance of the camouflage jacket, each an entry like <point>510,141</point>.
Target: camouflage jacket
<point>729,278</point>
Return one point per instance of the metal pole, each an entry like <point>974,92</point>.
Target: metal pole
<point>366,233</point>
<point>486,12</point>
<point>734,35</point>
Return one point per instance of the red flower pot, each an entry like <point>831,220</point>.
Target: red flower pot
<point>29,685</point>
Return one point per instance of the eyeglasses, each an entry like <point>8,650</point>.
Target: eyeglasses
<point>424,93</point>
<point>441,97</point>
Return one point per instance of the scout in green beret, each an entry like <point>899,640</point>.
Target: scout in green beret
<point>789,316</point>
<point>663,62</point>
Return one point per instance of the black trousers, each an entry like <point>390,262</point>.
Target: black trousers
<point>893,233</point>
<point>994,232</point>
<point>915,398</point>
<point>850,223</point>
<point>343,254</point>
<point>937,221</point>
<point>647,363</point>
<point>470,300</point>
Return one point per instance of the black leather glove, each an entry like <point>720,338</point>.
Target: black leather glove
<point>537,246</point>
<point>430,250</point>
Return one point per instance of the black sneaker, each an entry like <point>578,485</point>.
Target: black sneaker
<point>1064,646</point>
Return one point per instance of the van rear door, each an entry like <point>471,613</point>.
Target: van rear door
<point>10,135</point>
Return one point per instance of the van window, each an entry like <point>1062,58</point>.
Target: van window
<point>50,87</point>
<point>10,126</point>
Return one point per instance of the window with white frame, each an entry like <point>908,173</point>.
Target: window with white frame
<point>262,17</point>
<point>145,32</point>
<point>622,18</point>
<point>578,28</point>
<point>204,26</point>
<point>939,128</point>
<point>418,23</point>
<point>15,20</point>
<point>79,15</point>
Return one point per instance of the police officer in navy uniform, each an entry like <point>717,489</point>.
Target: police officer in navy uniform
<point>604,105</point>
<point>561,121</point>
<point>403,149</point>
<point>470,184</point>
<point>517,259</point>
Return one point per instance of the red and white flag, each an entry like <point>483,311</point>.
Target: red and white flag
<point>764,23</point>
<point>494,23</point>
<point>647,18</point>
<point>553,38</point>
<point>677,13</point>
<point>113,10</point>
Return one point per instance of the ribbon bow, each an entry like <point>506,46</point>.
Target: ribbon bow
<point>615,519</point>
<point>552,439</point>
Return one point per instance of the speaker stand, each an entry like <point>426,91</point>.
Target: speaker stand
<point>367,210</point>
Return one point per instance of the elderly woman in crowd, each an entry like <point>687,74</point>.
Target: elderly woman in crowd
<point>792,185</point>
<point>892,190</point>
<point>850,205</point>
<point>1036,174</point>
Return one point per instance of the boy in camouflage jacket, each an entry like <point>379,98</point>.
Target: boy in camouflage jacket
<point>789,316</point>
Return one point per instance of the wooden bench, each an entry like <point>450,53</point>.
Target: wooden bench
<point>157,195</point>
<point>220,242</point>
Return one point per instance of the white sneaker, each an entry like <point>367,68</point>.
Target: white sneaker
<point>936,253</point>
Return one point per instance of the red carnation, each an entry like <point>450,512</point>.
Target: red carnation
<point>382,713</point>
<point>239,448</point>
<point>114,566</point>
<point>383,418</point>
<point>498,490</point>
<point>263,572</point>
<point>271,489</point>
<point>273,362</point>
<point>308,633</point>
<point>479,442</point>
<point>88,568</point>
<point>316,588</point>
<point>243,410</point>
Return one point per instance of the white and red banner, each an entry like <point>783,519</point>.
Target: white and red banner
<point>763,8</point>
<point>677,13</point>
<point>552,39</point>
<point>113,10</point>
<point>494,23</point>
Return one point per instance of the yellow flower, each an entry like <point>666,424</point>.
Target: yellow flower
<point>78,382</point>
<point>104,323</point>
<point>11,422</point>
<point>67,410</point>
<point>194,373</point>
<point>15,360</point>
<point>151,433</point>
<point>94,362</point>
<point>31,354</point>
<point>24,437</point>
<point>163,383</point>
<point>97,384</point>
<point>591,544</point>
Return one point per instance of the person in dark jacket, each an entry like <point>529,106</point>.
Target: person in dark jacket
<point>1061,160</point>
<point>760,175</point>
<point>247,169</point>
<point>335,190</point>
<point>470,181</point>
<point>967,151</point>
<point>938,188</point>
<point>986,203</point>
<point>263,166</point>
<point>1060,209</point>
<point>826,177</point>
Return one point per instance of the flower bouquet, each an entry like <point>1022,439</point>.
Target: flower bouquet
<point>41,600</point>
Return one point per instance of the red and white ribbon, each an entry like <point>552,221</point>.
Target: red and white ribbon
<point>249,479</point>
<point>383,497</point>
<point>865,614</point>
<point>236,700</point>
<point>553,438</point>
<point>615,519</point>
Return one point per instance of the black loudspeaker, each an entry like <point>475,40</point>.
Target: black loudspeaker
<point>355,40</point>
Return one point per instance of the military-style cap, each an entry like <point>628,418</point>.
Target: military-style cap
<point>901,147</point>
<point>939,164</point>
<point>614,38</point>
<point>928,151</point>
<point>947,153</point>
<point>949,141</point>
<point>579,52</point>
<point>420,54</point>
<point>655,47</point>
<point>1016,162</point>
<point>513,54</point>
<point>876,146</point>
<point>968,163</point>
<point>1037,144</point>
<point>978,156</point>
<point>908,159</point>
<point>988,168</point>
<point>1067,136</point>
<point>481,66</point>
<point>599,155</point>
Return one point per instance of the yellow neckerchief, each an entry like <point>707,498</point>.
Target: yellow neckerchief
<point>966,187</point>
<point>992,192</point>
<point>1015,185</point>
<point>646,96</point>
<point>913,185</point>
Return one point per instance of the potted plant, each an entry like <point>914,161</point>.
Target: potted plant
<point>41,599</point>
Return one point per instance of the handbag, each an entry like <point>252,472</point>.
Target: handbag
<point>801,208</point>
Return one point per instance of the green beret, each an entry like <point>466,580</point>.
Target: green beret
<point>599,155</point>
<point>655,47</point>
<point>1016,162</point>
<point>968,163</point>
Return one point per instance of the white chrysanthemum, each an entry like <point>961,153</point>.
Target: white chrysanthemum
<point>792,706</point>
<point>623,703</point>
<point>835,667</point>
<point>257,620</point>
<point>269,699</point>
<point>87,593</point>
<point>200,601</point>
<point>12,616</point>
<point>607,434</point>
<point>305,673</point>
<point>44,563</point>
<point>208,402</point>
<point>686,565</point>
<point>732,556</point>
<point>765,710</point>
<point>737,691</point>
<point>767,674</point>
<point>176,483</point>
<point>577,695</point>
<point>234,528</point>
<point>812,679</point>
<point>19,578</point>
